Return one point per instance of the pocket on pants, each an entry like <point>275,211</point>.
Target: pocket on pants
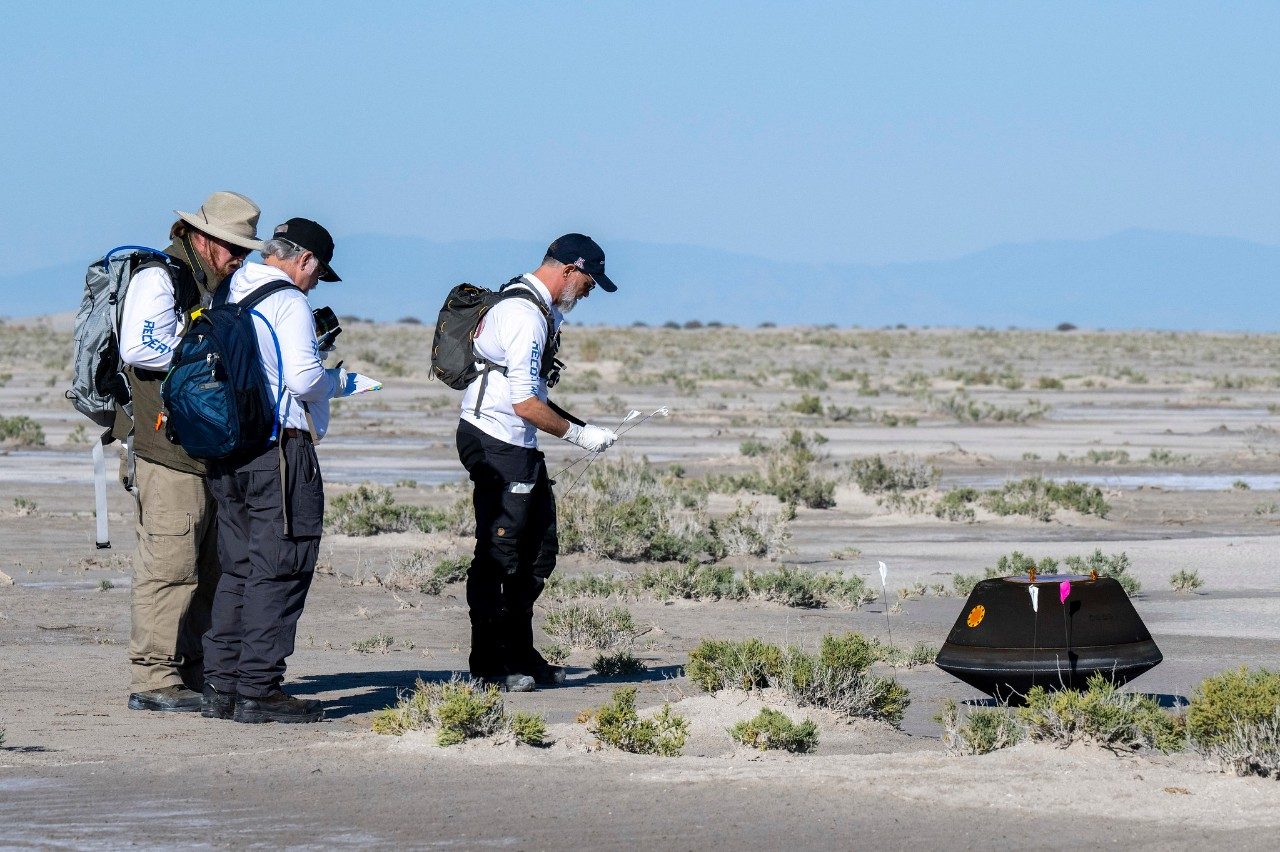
<point>167,546</point>
<point>306,490</point>
<point>162,522</point>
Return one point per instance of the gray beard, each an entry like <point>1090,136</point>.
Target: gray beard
<point>567,303</point>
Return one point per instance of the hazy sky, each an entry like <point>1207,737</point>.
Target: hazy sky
<point>821,131</point>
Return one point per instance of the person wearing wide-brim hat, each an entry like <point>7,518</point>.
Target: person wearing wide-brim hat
<point>176,568</point>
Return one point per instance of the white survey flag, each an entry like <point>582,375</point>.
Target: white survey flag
<point>1034,591</point>
<point>884,573</point>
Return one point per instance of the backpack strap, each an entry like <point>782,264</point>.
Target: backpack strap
<point>509,291</point>
<point>247,305</point>
<point>186,293</point>
<point>252,300</point>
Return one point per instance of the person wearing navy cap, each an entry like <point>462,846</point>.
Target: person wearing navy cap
<point>502,413</point>
<point>271,504</point>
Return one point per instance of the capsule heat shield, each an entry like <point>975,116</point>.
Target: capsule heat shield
<point>1002,646</point>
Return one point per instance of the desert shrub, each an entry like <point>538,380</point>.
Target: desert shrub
<point>1099,714</point>
<point>919,654</point>
<point>725,664</point>
<point>617,664</point>
<point>968,410</point>
<point>21,431</point>
<point>25,507</point>
<point>1017,562</point>
<point>873,476</point>
<point>591,627</point>
<point>809,378</point>
<point>1007,565</point>
<point>555,653</point>
<point>1040,498</point>
<point>790,470</point>
<point>981,731</point>
<point>370,509</point>
<point>1183,580</point>
<point>377,644</point>
<point>639,529</point>
<point>528,728</point>
<point>692,582</point>
<point>586,586</point>
<point>1252,748</point>
<point>1115,565</point>
<point>753,447</point>
<point>838,678</point>
<point>807,404</point>
<point>747,531</point>
<point>772,729</point>
<point>445,572</point>
<point>630,512</point>
<point>851,651</point>
<point>619,725</point>
<point>457,710</point>
<point>1159,455</point>
<point>788,586</point>
<point>847,692</point>
<point>955,505</point>
<point>1220,704</point>
<point>1107,456</point>
<point>1049,383</point>
<point>422,571</point>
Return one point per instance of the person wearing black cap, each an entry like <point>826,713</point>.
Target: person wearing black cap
<point>271,506</point>
<point>502,413</point>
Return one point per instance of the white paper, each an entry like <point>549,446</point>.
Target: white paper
<point>357,383</point>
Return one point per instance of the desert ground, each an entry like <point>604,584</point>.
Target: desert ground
<point>1175,429</point>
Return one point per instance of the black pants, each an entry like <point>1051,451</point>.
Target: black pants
<point>516,547</point>
<point>266,569</point>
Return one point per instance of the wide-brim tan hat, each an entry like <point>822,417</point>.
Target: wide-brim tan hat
<point>228,216</point>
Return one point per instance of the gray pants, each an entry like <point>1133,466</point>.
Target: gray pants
<point>266,569</point>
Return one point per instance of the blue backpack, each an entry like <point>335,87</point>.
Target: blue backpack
<point>216,396</point>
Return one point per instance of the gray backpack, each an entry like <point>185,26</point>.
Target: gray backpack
<point>98,382</point>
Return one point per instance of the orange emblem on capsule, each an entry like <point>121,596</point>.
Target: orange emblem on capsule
<point>976,615</point>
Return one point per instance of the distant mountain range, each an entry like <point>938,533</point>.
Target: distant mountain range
<point>1132,279</point>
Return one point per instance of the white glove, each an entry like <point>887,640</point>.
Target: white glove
<point>597,439</point>
<point>346,382</point>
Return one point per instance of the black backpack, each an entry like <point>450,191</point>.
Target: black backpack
<point>454,359</point>
<point>215,395</point>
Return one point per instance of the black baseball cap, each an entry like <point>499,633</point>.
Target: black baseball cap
<point>583,252</point>
<point>313,237</point>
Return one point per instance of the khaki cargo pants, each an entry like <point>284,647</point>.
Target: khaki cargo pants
<point>174,576</point>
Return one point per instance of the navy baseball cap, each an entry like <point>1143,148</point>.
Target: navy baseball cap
<point>585,253</point>
<point>312,236</point>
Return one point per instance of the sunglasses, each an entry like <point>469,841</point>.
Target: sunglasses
<point>232,249</point>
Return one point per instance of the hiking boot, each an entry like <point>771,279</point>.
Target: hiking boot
<point>166,699</point>
<point>548,675</point>
<point>506,682</point>
<point>279,706</point>
<point>216,704</point>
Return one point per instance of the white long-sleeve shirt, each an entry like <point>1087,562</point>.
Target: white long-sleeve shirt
<point>305,379</point>
<point>514,335</point>
<point>149,328</point>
